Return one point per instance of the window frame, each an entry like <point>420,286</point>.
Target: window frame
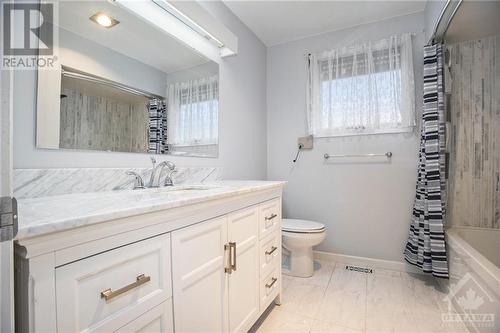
<point>318,60</point>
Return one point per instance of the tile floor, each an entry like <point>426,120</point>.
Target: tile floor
<point>337,300</point>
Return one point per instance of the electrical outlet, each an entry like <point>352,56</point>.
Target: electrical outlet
<point>305,142</point>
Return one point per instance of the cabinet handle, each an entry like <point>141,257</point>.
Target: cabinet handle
<point>269,218</point>
<point>269,285</point>
<point>274,248</point>
<point>231,246</point>
<point>227,269</point>
<point>233,265</point>
<point>108,294</point>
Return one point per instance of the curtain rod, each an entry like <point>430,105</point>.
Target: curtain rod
<point>437,36</point>
<point>109,83</point>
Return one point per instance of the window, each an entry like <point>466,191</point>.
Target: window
<point>193,112</point>
<point>364,89</point>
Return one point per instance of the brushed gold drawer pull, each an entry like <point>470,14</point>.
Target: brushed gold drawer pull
<point>231,246</point>
<point>271,217</point>
<point>233,265</point>
<point>108,294</point>
<point>274,248</point>
<point>269,285</point>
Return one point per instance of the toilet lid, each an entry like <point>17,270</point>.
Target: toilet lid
<point>293,225</point>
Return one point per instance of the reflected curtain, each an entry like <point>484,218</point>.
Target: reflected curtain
<point>426,246</point>
<point>193,111</point>
<point>157,126</point>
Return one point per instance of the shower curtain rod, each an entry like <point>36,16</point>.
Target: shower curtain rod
<point>109,83</point>
<point>444,20</point>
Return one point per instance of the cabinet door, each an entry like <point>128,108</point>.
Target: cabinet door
<point>199,280</point>
<point>156,320</point>
<point>244,281</point>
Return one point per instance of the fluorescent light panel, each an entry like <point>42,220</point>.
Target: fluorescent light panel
<point>187,21</point>
<point>158,16</point>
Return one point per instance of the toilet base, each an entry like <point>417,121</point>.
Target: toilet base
<point>302,263</point>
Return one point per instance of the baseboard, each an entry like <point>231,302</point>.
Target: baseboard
<point>399,266</point>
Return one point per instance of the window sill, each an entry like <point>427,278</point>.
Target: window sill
<point>325,134</point>
<point>177,145</point>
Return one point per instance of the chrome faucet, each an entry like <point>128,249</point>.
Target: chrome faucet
<point>161,166</point>
<point>168,178</point>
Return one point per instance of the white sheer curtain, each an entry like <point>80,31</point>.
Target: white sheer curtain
<point>363,89</point>
<point>193,111</point>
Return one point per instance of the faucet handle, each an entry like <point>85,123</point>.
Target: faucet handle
<point>170,165</point>
<point>153,160</point>
<point>139,183</point>
<point>168,179</point>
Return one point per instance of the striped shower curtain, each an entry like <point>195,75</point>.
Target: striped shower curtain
<point>425,247</point>
<point>157,132</point>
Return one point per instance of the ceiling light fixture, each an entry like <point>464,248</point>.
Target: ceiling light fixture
<point>187,21</point>
<point>176,26</point>
<point>104,20</point>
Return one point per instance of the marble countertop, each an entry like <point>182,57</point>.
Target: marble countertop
<point>44,215</point>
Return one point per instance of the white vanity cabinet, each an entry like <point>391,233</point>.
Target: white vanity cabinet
<point>209,267</point>
<point>217,275</point>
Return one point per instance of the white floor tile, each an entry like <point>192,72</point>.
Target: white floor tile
<point>285,281</point>
<point>302,298</point>
<point>322,274</point>
<point>280,321</point>
<point>325,327</point>
<point>345,300</point>
<point>337,300</point>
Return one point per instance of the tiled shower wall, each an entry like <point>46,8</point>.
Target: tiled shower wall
<point>474,111</point>
<point>103,122</point>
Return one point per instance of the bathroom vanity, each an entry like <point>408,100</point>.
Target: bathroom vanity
<point>184,259</point>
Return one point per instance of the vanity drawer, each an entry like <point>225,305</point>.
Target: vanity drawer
<point>269,288</point>
<point>102,292</point>
<point>270,252</point>
<point>269,217</point>
<point>157,320</point>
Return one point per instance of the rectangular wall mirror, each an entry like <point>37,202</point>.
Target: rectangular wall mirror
<point>124,85</point>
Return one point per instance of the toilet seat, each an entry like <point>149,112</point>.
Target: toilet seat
<point>302,226</point>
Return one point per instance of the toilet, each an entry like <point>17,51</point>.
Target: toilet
<point>299,237</point>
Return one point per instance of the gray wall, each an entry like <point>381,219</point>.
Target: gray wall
<point>242,125</point>
<point>365,204</point>
<point>88,56</point>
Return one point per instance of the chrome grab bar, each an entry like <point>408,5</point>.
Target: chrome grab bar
<point>387,154</point>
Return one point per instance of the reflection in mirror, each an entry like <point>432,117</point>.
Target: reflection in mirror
<point>102,115</point>
<point>128,87</point>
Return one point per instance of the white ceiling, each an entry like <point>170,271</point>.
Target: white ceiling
<point>133,37</point>
<point>474,20</point>
<point>276,22</point>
